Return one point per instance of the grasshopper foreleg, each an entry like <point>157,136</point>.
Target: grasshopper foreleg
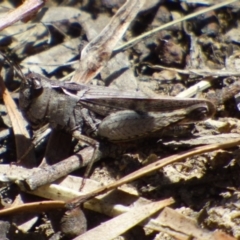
<point>93,143</point>
<point>91,120</point>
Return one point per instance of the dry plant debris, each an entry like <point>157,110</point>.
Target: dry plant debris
<point>170,48</point>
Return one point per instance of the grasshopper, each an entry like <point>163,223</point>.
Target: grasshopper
<point>94,112</point>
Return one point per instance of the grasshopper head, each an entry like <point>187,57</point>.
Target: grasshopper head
<point>31,87</point>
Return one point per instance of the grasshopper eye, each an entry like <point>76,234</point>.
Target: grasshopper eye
<point>36,84</point>
<point>35,87</point>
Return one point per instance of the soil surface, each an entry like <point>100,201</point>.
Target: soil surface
<point>203,49</point>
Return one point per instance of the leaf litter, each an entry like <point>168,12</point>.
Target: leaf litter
<point>204,49</point>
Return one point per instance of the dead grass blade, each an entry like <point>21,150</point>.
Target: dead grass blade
<point>32,207</point>
<point>120,224</point>
<point>181,227</point>
<point>26,10</point>
<point>149,33</point>
<point>22,138</point>
<point>98,51</point>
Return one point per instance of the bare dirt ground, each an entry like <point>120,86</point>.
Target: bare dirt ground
<point>196,58</point>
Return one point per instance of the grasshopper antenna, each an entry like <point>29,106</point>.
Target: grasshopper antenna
<point>15,65</point>
<point>23,79</point>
